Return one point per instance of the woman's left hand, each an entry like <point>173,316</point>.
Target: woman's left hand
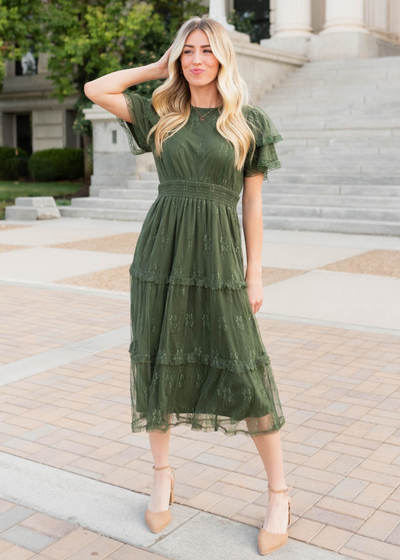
<point>255,292</point>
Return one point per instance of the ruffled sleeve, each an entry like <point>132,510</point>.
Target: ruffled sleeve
<point>143,117</point>
<point>265,157</point>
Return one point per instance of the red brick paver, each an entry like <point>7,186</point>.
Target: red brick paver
<point>341,440</point>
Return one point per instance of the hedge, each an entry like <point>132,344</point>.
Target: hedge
<point>7,168</point>
<point>57,164</point>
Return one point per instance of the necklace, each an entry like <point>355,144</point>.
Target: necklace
<point>202,117</point>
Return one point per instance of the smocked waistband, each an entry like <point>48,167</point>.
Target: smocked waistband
<point>197,189</point>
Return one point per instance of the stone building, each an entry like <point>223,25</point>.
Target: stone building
<point>326,71</point>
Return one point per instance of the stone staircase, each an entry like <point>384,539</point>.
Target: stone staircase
<point>340,123</point>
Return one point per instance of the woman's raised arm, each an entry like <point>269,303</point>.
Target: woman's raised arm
<point>106,91</point>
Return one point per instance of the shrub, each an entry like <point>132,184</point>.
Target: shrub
<point>15,168</point>
<point>7,153</point>
<point>57,164</point>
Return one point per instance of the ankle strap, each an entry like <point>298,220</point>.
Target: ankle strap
<point>160,468</point>
<point>286,489</point>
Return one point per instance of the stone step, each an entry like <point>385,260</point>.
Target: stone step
<point>333,213</point>
<point>343,201</point>
<point>270,222</point>
<point>335,82</point>
<point>272,203</point>
<point>342,151</point>
<point>351,63</point>
<point>359,191</point>
<point>340,169</point>
<point>32,208</point>
<point>335,122</point>
<point>326,158</point>
<point>375,110</point>
<point>95,190</point>
<point>135,200</point>
<point>336,226</point>
<point>129,194</point>
<point>353,77</point>
<point>295,95</point>
<point>103,213</point>
<point>338,150</point>
<point>280,176</point>
<point>369,135</point>
<point>342,143</point>
<point>340,123</point>
<point>143,183</point>
<point>111,203</point>
<point>355,73</point>
<point>148,176</point>
<point>108,181</point>
<point>30,213</point>
<point>319,189</point>
<point>333,90</point>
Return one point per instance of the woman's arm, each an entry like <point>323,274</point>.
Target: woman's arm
<point>106,91</point>
<point>253,232</point>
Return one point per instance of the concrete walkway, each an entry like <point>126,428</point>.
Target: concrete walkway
<point>74,480</point>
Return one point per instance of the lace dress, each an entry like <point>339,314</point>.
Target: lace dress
<point>197,357</point>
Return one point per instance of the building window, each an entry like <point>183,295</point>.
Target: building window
<point>28,65</point>
<point>260,28</point>
<point>24,132</point>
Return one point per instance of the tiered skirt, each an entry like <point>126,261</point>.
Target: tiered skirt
<point>197,357</point>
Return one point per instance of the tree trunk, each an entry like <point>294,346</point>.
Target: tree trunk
<point>88,169</point>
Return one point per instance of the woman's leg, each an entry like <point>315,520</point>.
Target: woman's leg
<point>270,450</point>
<point>159,444</point>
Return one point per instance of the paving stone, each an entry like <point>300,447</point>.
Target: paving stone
<point>394,536</point>
<point>345,507</point>
<point>348,488</point>
<point>377,549</point>
<point>13,516</point>
<point>341,392</point>
<point>379,526</point>
<point>100,547</point>
<point>55,528</point>
<point>26,538</point>
<point>68,545</point>
<point>331,538</point>
<point>305,529</point>
<point>127,552</point>
<point>334,519</point>
<point>16,553</point>
<point>373,495</point>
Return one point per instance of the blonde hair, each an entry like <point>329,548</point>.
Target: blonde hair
<point>171,100</point>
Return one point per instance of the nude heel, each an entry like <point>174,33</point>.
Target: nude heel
<point>268,542</point>
<point>158,520</point>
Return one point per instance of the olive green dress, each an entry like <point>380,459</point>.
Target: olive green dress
<point>197,357</point>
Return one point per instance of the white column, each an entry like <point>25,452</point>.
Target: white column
<point>394,20</point>
<point>293,18</point>
<point>344,15</point>
<point>377,18</point>
<point>217,11</point>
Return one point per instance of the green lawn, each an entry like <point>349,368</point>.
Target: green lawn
<point>60,190</point>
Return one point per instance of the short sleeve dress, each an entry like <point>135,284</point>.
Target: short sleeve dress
<point>196,353</point>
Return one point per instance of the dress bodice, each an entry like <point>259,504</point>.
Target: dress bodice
<point>198,152</point>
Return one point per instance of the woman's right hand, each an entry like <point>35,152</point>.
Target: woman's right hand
<point>162,64</point>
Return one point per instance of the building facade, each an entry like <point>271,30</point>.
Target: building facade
<point>308,29</point>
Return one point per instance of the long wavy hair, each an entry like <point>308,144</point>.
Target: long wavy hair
<point>171,100</point>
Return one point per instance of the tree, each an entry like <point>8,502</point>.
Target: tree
<point>86,39</point>
<point>19,28</point>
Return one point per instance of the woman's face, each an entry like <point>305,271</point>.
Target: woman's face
<point>197,55</point>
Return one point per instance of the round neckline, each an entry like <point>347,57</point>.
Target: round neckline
<point>211,108</point>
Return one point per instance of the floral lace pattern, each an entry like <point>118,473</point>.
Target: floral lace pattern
<point>196,352</point>
<point>205,398</point>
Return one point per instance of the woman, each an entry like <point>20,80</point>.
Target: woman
<point>197,357</point>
